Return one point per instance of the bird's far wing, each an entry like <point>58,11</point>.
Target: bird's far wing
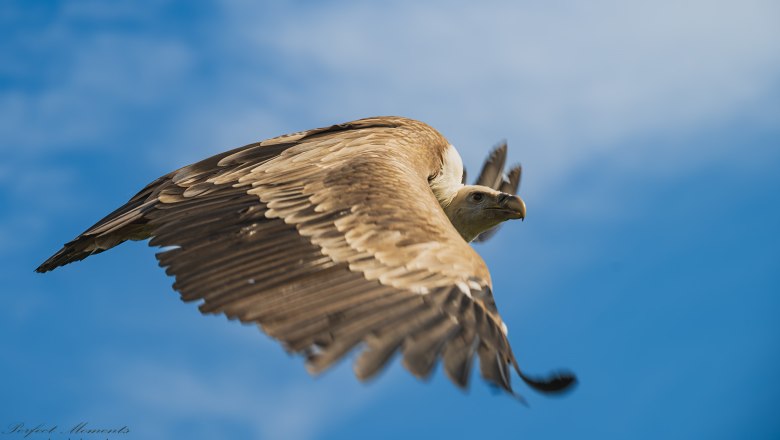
<point>511,182</point>
<point>492,175</point>
<point>493,169</point>
<point>335,241</point>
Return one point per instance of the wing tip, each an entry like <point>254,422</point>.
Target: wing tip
<point>557,382</point>
<point>68,254</point>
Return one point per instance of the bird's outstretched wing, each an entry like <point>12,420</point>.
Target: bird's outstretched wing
<point>329,240</point>
<point>493,176</point>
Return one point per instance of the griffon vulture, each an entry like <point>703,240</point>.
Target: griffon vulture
<point>354,235</point>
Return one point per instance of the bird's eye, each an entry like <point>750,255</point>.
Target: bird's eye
<point>477,197</point>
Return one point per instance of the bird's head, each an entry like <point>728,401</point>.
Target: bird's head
<point>476,208</point>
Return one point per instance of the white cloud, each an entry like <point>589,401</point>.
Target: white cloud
<point>560,81</point>
<point>89,81</point>
<point>566,80</point>
<point>176,393</point>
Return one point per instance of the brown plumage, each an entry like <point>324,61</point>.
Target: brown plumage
<point>335,238</point>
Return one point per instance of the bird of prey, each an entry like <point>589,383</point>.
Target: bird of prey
<point>349,236</point>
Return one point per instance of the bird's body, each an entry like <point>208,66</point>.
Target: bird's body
<point>354,234</point>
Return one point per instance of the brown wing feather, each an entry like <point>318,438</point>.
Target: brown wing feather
<point>328,239</point>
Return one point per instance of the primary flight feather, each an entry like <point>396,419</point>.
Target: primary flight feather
<point>333,238</point>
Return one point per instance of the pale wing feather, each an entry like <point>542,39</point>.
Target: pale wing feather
<point>327,239</point>
<point>344,244</point>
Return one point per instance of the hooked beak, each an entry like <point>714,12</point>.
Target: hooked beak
<point>512,205</point>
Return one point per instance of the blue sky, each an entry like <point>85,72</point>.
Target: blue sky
<point>649,262</point>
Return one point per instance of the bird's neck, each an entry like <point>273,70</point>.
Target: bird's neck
<point>446,184</point>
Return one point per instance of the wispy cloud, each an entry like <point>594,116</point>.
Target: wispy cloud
<point>560,81</point>
<point>93,78</point>
<point>176,395</point>
<point>563,82</point>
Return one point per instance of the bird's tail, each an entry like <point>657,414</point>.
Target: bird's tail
<point>128,222</point>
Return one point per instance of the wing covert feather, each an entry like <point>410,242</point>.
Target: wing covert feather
<point>328,239</point>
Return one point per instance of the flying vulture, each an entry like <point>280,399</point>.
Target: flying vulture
<point>349,236</point>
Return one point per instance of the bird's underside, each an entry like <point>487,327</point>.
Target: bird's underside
<point>331,239</point>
